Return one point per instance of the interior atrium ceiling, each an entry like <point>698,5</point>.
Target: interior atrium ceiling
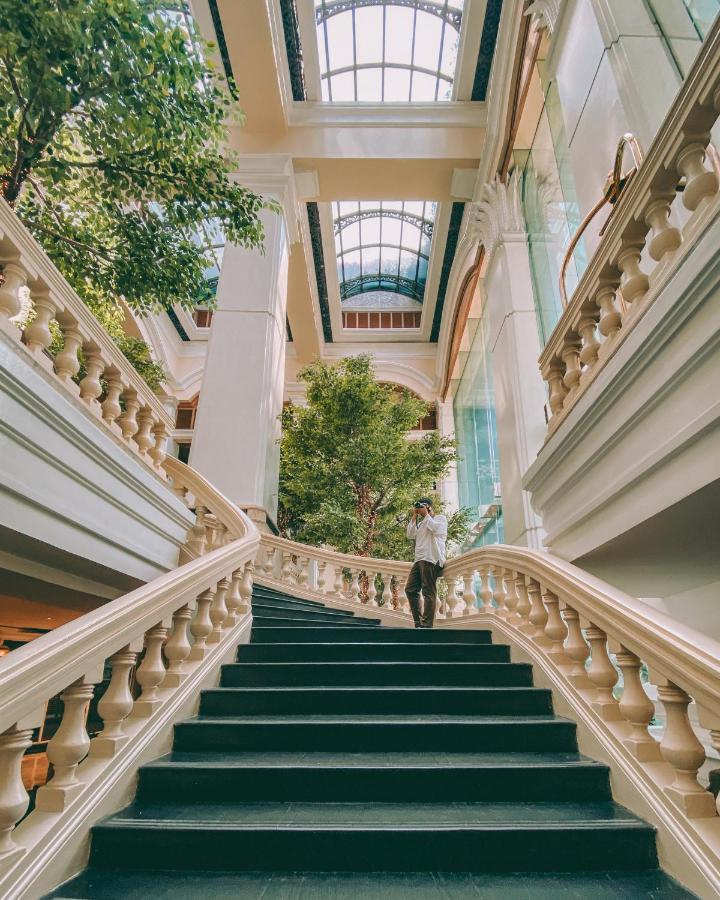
<point>383,247</point>
<point>375,51</point>
<point>372,99</point>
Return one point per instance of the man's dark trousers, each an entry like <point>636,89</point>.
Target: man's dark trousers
<point>423,576</point>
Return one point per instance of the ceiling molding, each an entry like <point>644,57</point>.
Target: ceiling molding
<point>450,114</point>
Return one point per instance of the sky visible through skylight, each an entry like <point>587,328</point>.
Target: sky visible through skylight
<point>388,50</point>
<point>383,246</point>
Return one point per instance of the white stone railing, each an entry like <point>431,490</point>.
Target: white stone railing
<point>593,642</point>
<point>646,239</point>
<point>370,587</point>
<point>111,390</point>
<point>187,622</point>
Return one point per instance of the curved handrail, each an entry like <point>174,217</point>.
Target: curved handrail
<point>682,654</point>
<point>348,560</point>
<point>187,480</point>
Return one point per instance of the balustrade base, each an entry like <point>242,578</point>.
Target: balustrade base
<point>106,748</point>
<point>644,751</point>
<point>55,799</point>
<point>700,805</point>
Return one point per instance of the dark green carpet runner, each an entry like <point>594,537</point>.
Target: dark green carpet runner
<point>338,759</point>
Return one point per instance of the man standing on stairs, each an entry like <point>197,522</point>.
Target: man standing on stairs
<point>429,531</point>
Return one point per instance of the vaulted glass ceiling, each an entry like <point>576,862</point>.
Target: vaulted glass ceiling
<point>383,246</point>
<point>388,50</point>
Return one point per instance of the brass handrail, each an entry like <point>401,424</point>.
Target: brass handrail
<point>614,185</point>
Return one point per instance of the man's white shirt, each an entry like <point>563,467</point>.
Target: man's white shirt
<point>429,535</point>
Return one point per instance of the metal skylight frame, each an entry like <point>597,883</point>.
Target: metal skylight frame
<point>351,70</point>
<point>396,261</point>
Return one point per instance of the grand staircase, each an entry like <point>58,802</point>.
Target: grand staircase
<point>342,759</point>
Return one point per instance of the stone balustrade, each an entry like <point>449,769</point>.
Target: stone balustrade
<point>161,640</point>
<point>110,389</point>
<point>366,584</point>
<point>601,648</point>
<point>646,239</point>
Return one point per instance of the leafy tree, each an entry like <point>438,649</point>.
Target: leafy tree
<point>112,124</point>
<point>348,472</point>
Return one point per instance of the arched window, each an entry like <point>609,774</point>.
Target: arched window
<point>186,413</point>
<point>429,421</point>
<point>388,50</point>
<point>383,246</point>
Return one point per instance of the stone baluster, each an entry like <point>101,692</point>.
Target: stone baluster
<point>387,597</point>
<point>38,336</point>
<point>151,672</point>
<point>339,584</point>
<point>219,611</point>
<point>570,355</point>
<point>700,182</point>
<point>158,451</point>
<point>303,571</point>
<point>115,706</point>
<point>522,607</point>
<point>538,614</point>
<point>665,238</point>
<point>211,532</point>
<point>246,587</point>
<point>555,629</point>
<point>485,589</point>
<point>557,390</point>
<point>143,437</point>
<point>67,363</point>
<point>68,747</point>
<point>286,570</point>
<point>14,798</point>
<point>111,409</point>
<point>498,593</point>
<point>14,279</point>
<point>234,599</point>
<point>711,722</point>
<point>469,598</point>
<point>636,708</point>
<point>178,647</point>
<point>371,589</point>
<point>268,568</point>
<point>590,344</point>
<point>511,597</point>
<point>634,282</point>
<point>681,748</point>
<point>453,603</point>
<point>610,318</point>
<point>128,420</point>
<point>403,602</point>
<point>577,650</point>
<point>603,675</point>
<point>355,585</point>
<point>321,583</point>
<point>90,386</point>
<point>201,625</point>
<point>197,535</point>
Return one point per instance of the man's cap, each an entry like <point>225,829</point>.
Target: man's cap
<point>424,501</point>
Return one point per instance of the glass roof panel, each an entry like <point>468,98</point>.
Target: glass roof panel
<point>388,50</point>
<point>383,246</point>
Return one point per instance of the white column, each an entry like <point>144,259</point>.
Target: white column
<point>237,427</point>
<point>448,486</point>
<point>515,347</point>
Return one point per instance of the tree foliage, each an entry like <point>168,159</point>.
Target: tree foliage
<point>112,125</point>
<point>348,472</point>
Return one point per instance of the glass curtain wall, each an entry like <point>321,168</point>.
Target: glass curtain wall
<point>478,470</point>
<point>550,209</point>
<point>683,25</point>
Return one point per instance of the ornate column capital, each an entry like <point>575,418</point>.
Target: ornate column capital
<point>545,13</point>
<point>497,215</point>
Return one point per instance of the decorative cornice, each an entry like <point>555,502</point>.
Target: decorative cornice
<point>498,213</point>
<point>545,13</point>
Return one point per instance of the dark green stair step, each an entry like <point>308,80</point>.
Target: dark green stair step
<point>368,733</point>
<point>388,777</point>
<point>376,700</point>
<point>304,633</point>
<point>290,616</point>
<point>364,674</point>
<point>481,837</point>
<point>373,652</point>
<point>100,884</point>
<point>292,606</point>
<point>263,596</point>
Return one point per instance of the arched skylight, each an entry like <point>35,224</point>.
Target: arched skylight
<point>383,246</point>
<point>388,50</point>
